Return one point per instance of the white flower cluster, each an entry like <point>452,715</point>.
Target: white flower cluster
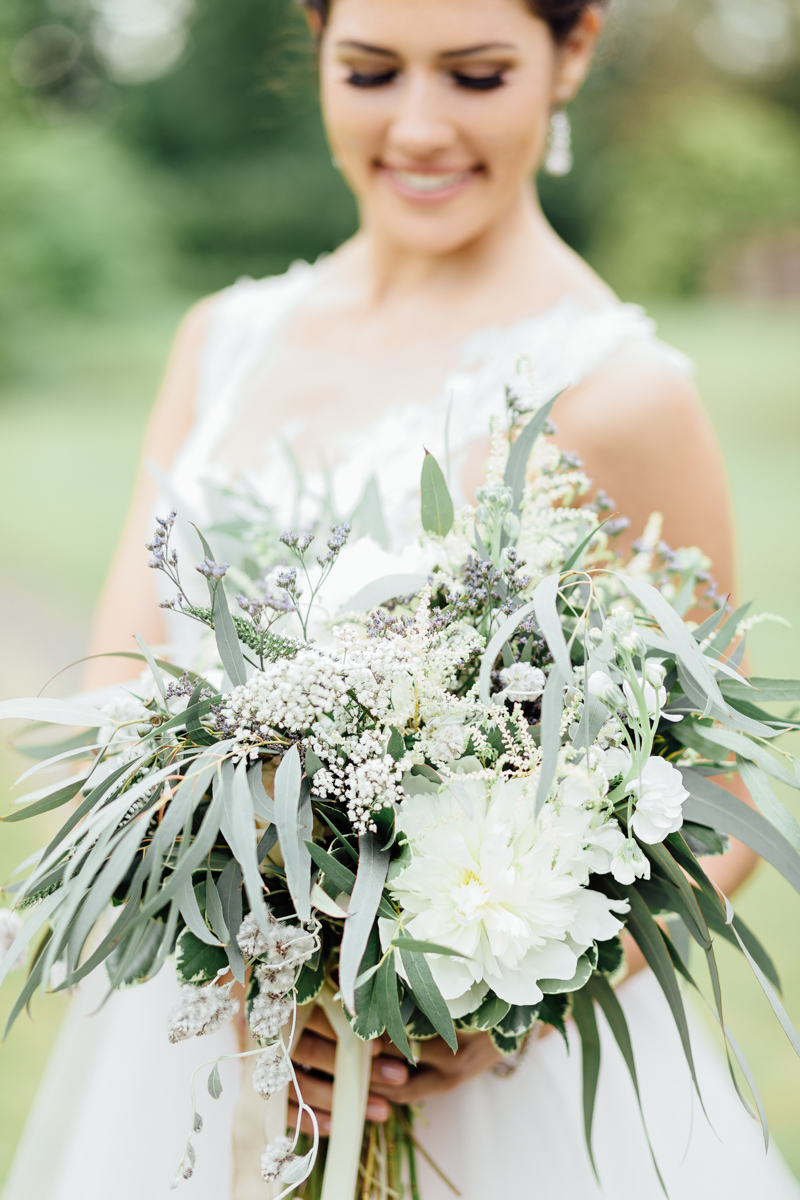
<point>291,694</point>
<point>367,781</point>
<point>200,1011</point>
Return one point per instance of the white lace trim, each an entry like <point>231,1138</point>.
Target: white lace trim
<point>557,349</point>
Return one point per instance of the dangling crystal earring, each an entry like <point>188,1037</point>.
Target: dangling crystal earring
<point>559,160</point>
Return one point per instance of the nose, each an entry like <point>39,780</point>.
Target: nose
<point>419,129</point>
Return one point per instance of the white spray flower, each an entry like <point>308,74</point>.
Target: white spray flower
<point>523,682</point>
<point>629,863</point>
<point>660,796</point>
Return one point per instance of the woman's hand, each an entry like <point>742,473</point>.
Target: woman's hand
<point>393,1080</point>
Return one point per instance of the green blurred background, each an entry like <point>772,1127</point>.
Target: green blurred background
<point>153,150</point>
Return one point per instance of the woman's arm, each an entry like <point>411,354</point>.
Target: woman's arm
<point>129,601</point>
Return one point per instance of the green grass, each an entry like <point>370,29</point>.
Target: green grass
<point>71,428</point>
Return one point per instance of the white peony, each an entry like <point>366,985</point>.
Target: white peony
<point>660,796</point>
<point>523,682</point>
<point>504,890</point>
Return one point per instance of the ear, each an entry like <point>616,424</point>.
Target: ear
<point>313,20</point>
<point>576,52</point>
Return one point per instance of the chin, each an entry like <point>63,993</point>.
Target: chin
<point>439,235</point>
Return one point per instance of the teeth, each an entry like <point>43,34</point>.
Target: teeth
<point>429,183</point>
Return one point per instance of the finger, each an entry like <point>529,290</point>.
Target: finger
<point>422,1084</point>
<point>389,1072</point>
<point>319,1023</point>
<point>318,1094</point>
<point>306,1125</point>
<point>315,1053</point>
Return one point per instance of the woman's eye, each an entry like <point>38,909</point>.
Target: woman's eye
<point>479,83</point>
<point>365,79</point>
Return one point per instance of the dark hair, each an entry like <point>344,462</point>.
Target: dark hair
<point>561,15</point>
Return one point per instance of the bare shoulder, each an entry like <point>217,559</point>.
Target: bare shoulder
<point>174,408</point>
<point>639,387</point>
<point>644,437</point>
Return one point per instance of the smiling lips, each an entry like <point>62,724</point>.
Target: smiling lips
<point>429,185</point>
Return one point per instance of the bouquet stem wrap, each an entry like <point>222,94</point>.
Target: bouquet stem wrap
<point>350,1090</point>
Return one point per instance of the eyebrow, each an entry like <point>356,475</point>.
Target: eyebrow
<point>382,52</point>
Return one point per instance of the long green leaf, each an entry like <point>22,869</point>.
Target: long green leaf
<point>262,805</point>
<point>340,876</point>
<point>373,865</point>
<point>768,804</point>
<point>386,987</point>
<point>34,923</point>
<point>52,712</point>
<point>190,911</point>
<point>520,453</point>
<point>55,799</point>
<point>710,804</point>
<point>650,941</point>
<point>238,827</point>
<point>151,662</point>
<point>545,603</point>
<point>586,1023</point>
<point>227,639</point>
<point>601,990</point>
<point>414,946</point>
<point>763,691</point>
<point>489,656</point>
<point>737,743</point>
<point>437,506</point>
<point>552,708</point>
<point>372,595</point>
<point>294,822</point>
<point>780,1012</point>
<point>428,997</point>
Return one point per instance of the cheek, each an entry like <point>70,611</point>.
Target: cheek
<point>513,139</point>
<point>355,126</point>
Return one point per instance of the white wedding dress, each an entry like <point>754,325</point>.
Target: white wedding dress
<point>113,1112</point>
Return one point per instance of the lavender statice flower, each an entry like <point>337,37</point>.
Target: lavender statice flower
<point>10,926</point>
<point>272,1074</point>
<point>268,1015</point>
<point>276,1158</point>
<point>200,1011</point>
<point>211,569</point>
<point>336,542</point>
<point>297,542</point>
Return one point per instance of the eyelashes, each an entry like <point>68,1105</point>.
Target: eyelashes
<point>475,83</point>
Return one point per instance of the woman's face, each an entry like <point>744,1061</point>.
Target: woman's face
<point>437,111</point>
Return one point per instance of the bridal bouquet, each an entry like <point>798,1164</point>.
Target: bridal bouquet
<point>433,816</point>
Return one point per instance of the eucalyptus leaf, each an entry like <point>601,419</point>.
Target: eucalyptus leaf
<point>437,505</point>
<point>372,595</point>
<point>215,1083</point>
<point>389,1004</point>
<point>586,1023</point>
<point>53,798</point>
<point>294,821</point>
<point>52,712</point>
<point>428,997</point>
<point>238,829</point>
<point>520,452</point>
<point>151,662</point>
<point>552,708</point>
<point>373,864</point>
<point>710,804</point>
<point>768,804</point>
<point>545,603</point>
<point>489,656</point>
<point>190,911</point>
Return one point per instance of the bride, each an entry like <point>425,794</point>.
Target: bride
<point>438,113</point>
